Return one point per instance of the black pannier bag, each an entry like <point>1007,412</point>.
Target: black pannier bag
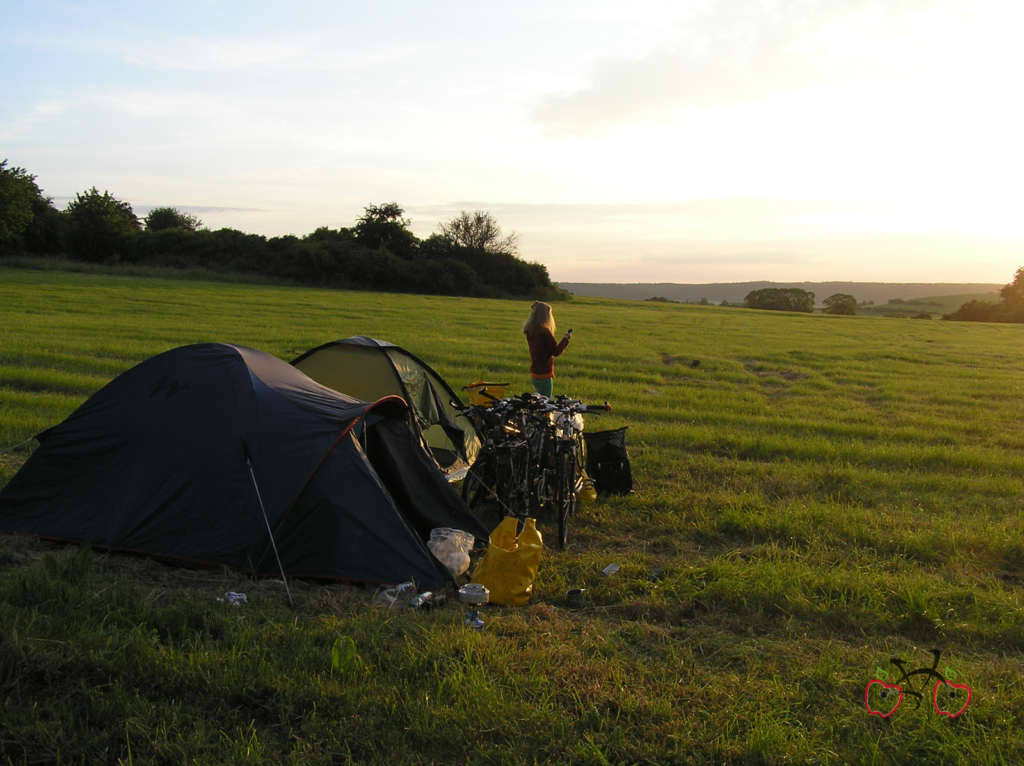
<point>608,462</point>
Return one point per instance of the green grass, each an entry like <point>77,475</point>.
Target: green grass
<point>817,495</point>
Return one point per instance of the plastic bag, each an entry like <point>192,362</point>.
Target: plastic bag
<point>510,564</point>
<point>451,547</point>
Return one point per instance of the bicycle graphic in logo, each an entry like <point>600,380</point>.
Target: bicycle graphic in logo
<point>948,697</point>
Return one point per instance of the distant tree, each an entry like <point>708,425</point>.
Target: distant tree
<point>1013,293</point>
<point>171,218</point>
<point>977,311</point>
<point>497,273</point>
<point>385,226</point>
<point>1010,309</point>
<point>328,235</point>
<point>99,225</point>
<point>18,192</point>
<point>46,233</point>
<point>479,230</point>
<point>840,303</point>
<point>780,299</point>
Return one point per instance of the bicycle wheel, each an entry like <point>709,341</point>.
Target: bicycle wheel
<point>566,494</point>
<point>478,492</point>
<point>473,486</point>
<point>513,485</point>
<point>540,491</point>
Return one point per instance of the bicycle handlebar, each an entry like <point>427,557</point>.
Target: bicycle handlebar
<point>536,403</point>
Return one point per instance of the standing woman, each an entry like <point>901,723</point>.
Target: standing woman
<point>539,329</point>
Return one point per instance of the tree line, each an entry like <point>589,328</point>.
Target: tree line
<point>1009,309</point>
<point>469,255</point>
<point>797,299</point>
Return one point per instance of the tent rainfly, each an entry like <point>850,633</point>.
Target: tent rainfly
<point>217,454</point>
<point>368,369</point>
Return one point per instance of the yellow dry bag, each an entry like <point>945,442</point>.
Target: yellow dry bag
<point>510,564</point>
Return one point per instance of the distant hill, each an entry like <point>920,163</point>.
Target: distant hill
<point>735,292</point>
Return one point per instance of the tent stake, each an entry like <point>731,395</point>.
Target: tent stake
<point>273,544</point>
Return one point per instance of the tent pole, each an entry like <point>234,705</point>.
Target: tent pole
<point>273,544</point>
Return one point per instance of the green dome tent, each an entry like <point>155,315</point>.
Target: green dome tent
<point>367,368</point>
<point>217,454</point>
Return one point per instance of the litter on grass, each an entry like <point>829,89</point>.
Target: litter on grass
<point>398,596</point>
<point>427,600</point>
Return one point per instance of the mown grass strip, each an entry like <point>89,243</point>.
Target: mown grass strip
<point>815,496</point>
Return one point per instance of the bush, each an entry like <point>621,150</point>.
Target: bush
<point>28,221</point>
<point>160,218</point>
<point>1011,309</point>
<point>977,311</point>
<point>45,235</point>
<point>17,190</point>
<point>99,226</point>
<point>780,299</point>
<point>840,303</point>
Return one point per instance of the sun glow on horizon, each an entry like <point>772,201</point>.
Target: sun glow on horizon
<point>682,140</point>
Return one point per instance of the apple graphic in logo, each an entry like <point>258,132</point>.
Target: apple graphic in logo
<point>947,696</point>
<point>887,691</point>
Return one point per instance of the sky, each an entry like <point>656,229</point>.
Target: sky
<point>642,141</point>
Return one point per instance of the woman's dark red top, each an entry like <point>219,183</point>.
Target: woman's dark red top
<point>543,350</point>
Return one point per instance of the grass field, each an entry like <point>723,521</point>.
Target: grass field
<point>818,495</point>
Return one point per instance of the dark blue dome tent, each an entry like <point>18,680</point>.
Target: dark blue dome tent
<point>217,454</point>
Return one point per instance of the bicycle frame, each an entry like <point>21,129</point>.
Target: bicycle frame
<point>533,458</point>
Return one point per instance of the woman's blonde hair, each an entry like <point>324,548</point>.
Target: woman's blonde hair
<point>540,316</point>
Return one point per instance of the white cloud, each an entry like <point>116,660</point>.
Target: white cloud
<point>46,109</point>
<point>203,55</point>
<point>207,109</point>
<point>25,125</point>
<point>312,52</point>
<point>734,52</point>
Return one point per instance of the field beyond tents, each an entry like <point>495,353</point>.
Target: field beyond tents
<point>815,496</point>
